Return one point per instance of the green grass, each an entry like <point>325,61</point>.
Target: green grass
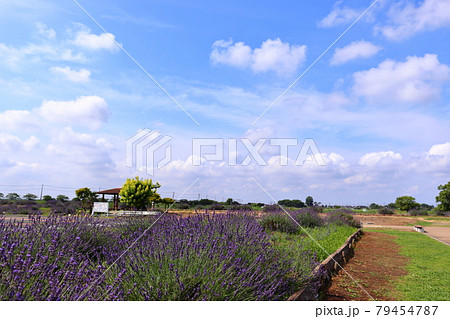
<point>421,223</point>
<point>428,268</point>
<point>303,248</point>
<point>425,223</point>
<point>368,211</point>
<point>437,218</point>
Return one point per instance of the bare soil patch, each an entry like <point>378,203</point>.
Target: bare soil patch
<point>379,220</point>
<point>376,264</point>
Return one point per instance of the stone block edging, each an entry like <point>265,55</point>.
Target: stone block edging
<point>323,273</point>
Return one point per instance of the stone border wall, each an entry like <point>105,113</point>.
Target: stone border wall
<point>323,273</point>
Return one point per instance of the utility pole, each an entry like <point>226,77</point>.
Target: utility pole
<point>198,196</point>
<point>42,189</point>
<point>173,195</point>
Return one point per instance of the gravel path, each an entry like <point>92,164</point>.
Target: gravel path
<point>441,234</point>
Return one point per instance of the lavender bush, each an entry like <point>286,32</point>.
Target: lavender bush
<point>290,222</point>
<point>343,219</point>
<point>203,257</point>
<point>48,260</point>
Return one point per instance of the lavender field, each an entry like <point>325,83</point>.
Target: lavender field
<point>233,256</point>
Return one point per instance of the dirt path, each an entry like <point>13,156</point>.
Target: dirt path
<point>441,234</point>
<point>375,265</point>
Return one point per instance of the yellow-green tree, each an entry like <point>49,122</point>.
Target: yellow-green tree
<point>139,193</point>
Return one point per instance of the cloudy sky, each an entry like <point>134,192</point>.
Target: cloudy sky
<point>376,104</point>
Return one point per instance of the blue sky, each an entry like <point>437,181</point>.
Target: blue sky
<point>376,104</point>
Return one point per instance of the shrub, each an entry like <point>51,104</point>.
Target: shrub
<point>271,208</point>
<point>216,207</point>
<point>308,217</point>
<point>440,213</point>
<point>235,208</point>
<point>342,219</point>
<point>385,211</point>
<point>417,212</point>
<point>279,222</point>
<point>183,206</point>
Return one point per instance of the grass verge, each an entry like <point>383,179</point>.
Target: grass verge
<point>304,249</point>
<point>428,275</point>
<point>421,223</point>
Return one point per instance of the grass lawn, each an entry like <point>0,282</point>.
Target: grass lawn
<point>421,223</point>
<point>428,269</point>
<point>437,218</point>
<point>303,248</point>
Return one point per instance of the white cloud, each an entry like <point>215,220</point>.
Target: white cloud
<point>45,31</point>
<point>440,150</point>
<point>17,120</point>
<point>419,79</point>
<point>12,143</point>
<point>358,179</point>
<point>377,159</point>
<point>255,134</point>
<point>89,111</point>
<point>273,55</point>
<point>435,161</point>
<point>17,57</point>
<point>357,49</point>
<point>437,158</point>
<point>81,76</point>
<point>339,16</point>
<point>92,153</point>
<point>237,55</point>
<point>407,19</point>
<point>91,41</point>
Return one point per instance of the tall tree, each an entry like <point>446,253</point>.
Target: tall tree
<point>30,196</point>
<point>87,198</point>
<point>62,198</point>
<point>167,201</point>
<point>406,203</point>
<point>139,193</point>
<point>443,198</point>
<point>309,201</point>
<point>13,196</point>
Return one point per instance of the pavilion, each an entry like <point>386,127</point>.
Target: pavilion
<point>113,191</point>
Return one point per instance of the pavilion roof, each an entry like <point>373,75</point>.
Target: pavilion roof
<point>111,191</point>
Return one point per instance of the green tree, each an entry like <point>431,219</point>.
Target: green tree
<point>154,198</point>
<point>391,205</point>
<point>139,193</point>
<point>406,203</point>
<point>167,202</point>
<point>13,196</point>
<point>30,196</point>
<point>47,198</point>
<point>229,201</point>
<point>443,198</point>
<point>1,195</point>
<point>87,198</point>
<point>62,198</point>
<point>309,201</point>
<point>374,206</point>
